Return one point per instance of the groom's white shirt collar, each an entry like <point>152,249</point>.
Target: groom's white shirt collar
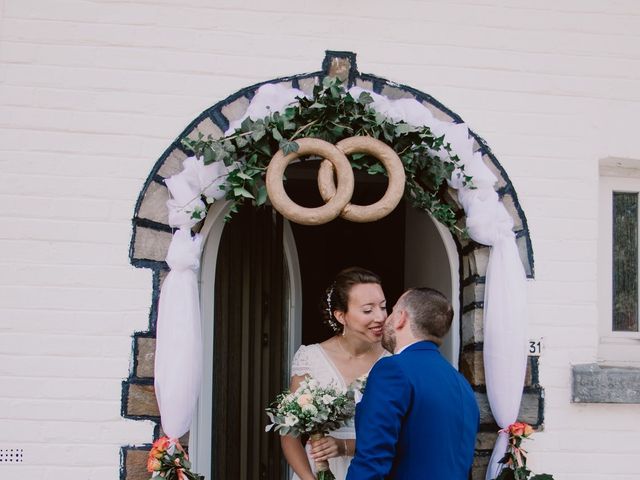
<point>405,347</point>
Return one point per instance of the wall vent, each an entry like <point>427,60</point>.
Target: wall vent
<point>11,455</point>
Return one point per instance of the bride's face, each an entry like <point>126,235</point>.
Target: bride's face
<point>366,313</point>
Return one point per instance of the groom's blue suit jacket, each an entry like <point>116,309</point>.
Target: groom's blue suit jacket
<point>417,420</point>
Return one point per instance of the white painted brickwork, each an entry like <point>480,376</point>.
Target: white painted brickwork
<point>91,92</point>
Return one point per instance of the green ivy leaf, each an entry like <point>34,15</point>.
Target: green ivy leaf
<point>208,156</point>
<point>241,192</point>
<point>288,146</point>
<point>276,134</point>
<point>261,197</point>
<point>376,168</point>
<point>244,176</point>
<point>404,128</point>
<point>365,98</point>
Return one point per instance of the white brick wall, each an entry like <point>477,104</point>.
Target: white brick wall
<point>93,91</point>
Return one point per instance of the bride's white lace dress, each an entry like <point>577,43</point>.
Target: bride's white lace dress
<point>314,361</point>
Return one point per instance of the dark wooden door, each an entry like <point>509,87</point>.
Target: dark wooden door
<point>250,345</point>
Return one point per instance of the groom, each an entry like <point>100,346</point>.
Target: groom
<point>418,417</point>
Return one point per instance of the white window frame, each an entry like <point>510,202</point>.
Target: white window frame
<point>615,348</point>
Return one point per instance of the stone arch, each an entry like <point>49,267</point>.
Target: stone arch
<point>152,235</point>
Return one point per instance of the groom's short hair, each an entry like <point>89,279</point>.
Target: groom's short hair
<point>430,313</point>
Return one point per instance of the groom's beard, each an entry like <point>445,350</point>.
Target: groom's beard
<point>388,340</point>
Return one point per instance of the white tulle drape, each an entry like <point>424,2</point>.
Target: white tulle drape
<point>178,351</point>
<point>178,362</point>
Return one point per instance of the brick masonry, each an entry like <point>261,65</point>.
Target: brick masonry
<point>91,93</point>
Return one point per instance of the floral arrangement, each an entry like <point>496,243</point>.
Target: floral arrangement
<point>331,114</point>
<point>168,460</point>
<point>311,410</point>
<point>515,460</point>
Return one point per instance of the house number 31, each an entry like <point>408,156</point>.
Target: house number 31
<point>535,347</point>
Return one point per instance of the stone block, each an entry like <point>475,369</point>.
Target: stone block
<point>141,401</point>
<point>501,183</point>
<point>136,464</point>
<point>523,249</point>
<point>366,84</point>
<point>172,164</point>
<point>151,244</point>
<point>472,367</point>
<point>146,354</point>
<point>236,109</point>
<point>592,383</point>
<point>509,204</point>
<point>307,84</point>
<point>207,127</point>
<point>163,276</point>
<point>473,292</point>
<point>480,465</point>
<point>472,327</point>
<point>529,409</point>
<point>478,260</point>
<point>154,204</point>
<point>437,113</point>
<point>340,68</point>
<point>466,266</point>
<point>394,93</point>
<point>486,440</point>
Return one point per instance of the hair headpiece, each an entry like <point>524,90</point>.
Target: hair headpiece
<point>330,318</point>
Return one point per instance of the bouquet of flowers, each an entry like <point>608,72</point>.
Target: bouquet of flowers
<point>168,460</point>
<point>312,410</point>
<point>515,460</point>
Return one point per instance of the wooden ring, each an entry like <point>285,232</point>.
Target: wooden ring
<point>303,215</point>
<point>395,171</point>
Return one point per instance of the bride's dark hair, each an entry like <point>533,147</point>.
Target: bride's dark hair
<point>337,294</point>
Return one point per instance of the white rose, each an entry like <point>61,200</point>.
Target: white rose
<point>327,399</point>
<point>290,420</point>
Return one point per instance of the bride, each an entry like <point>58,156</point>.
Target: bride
<point>355,308</point>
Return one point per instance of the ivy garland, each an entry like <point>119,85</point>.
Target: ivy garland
<point>332,114</point>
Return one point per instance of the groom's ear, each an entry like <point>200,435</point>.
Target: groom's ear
<point>401,320</point>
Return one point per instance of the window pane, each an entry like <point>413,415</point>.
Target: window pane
<point>625,262</point>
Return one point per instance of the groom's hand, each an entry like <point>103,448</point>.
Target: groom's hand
<point>325,448</point>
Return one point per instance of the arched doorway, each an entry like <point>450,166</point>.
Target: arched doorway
<point>406,248</point>
<point>151,237</point>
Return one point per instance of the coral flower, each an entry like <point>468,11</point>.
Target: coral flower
<point>153,464</point>
<point>516,429</point>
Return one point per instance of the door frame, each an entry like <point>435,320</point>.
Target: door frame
<point>201,426</point>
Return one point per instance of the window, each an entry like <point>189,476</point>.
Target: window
<point>619,262</point>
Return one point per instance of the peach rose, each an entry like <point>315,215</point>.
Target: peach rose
<point>153,464</point>
<point>162,444</point>
<point>520,429</point>
<point>516,429</point>
<point>305,399</point>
